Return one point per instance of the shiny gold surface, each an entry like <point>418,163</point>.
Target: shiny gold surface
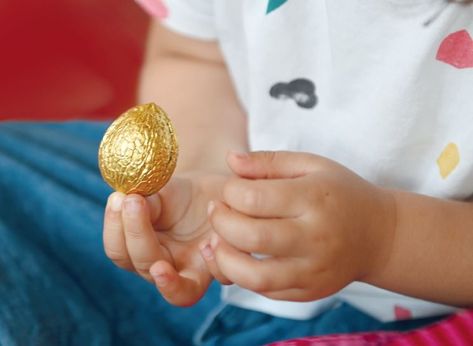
<point>138,152</point>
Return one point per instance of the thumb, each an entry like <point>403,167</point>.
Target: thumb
<point>273,164</point>
<point>169,205</point>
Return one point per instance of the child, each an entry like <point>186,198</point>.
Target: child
<point>350,211</point>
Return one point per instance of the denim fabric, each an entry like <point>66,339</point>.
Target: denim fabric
<point>233,326</point>
<point>56,285</point>
<point>58,288</point>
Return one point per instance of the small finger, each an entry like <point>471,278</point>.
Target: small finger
<point>277,237</point>
<point>276,198</point>
<point>113,236</point>
<point>274,164</point>
<point>142,243</point>
<point>181,289</point>
<point>254,274</point>
<point>209,258</point>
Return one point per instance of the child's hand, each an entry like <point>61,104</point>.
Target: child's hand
<point>158,237</point>
<point>317,224</point>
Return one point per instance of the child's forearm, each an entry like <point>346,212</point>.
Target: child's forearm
<point>432,252</point>
<point>189,80</point>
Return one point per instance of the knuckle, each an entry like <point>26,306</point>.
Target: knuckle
<point>133,233</point>
<point>252,199</point>
<point>222,279</point>
<point>115,255</point>
<point>142,268</point>
<point>225,281</point>
<point>269,158</point>
<point>231,188</point>
<point>259,283</point>
<point>119,259</point>
<point>112,220</point>
<point>124,264</point>
<point>259,239</point>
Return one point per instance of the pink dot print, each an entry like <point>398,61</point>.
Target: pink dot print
<point>457,50</point>
<point>401,313</point>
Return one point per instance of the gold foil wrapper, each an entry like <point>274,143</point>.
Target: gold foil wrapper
<point>138,152</point>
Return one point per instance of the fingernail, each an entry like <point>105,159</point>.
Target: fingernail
<point>239,154</point>
<point>161,280</point>
<point>213,241</point>
<point>210,207</point>
<point>132,204</point>
<point>207,252</point>
<point>116,202</point>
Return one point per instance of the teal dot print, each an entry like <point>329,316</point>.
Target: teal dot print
<point>274,4</point>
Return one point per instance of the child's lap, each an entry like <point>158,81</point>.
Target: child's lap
<point>235,326</point>
<point>57,286</point>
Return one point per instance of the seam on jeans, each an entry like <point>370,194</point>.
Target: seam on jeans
<point>199,334</point>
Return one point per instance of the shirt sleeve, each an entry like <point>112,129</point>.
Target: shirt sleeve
<point>193,18</point>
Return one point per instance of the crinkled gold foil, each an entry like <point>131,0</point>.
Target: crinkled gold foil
<point>138,152</point>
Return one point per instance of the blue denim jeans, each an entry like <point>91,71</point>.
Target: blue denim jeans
<point>58,288</point>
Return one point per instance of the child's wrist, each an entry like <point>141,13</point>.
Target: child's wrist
<point>384,233</point>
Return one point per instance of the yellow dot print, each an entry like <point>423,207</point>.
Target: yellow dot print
<point>448,160</point>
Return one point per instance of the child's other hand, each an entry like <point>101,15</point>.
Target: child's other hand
<point>158,237</point>
<point>318,226</point>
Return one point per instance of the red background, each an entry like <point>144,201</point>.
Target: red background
<point>63,59</point>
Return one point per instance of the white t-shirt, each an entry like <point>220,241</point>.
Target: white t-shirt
<point>385,87</point>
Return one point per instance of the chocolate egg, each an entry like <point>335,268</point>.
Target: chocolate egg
<point>138,152</point>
